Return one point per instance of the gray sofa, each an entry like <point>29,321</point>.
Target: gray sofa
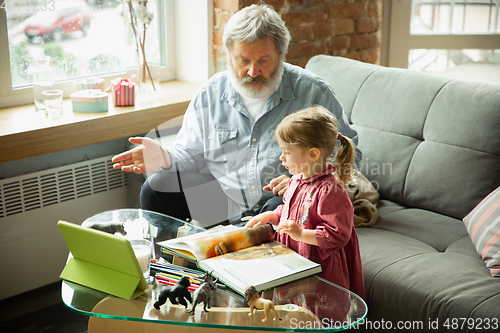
<point>431,146</point>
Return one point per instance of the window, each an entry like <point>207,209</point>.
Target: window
<point>454,17</point>
<point>437,35</point>
<point>431,60</point>
<point>84,38</point>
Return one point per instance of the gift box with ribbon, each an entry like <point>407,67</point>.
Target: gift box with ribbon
<point>123,91</point>
<point>89,100</point>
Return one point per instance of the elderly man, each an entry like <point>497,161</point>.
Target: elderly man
<point>225,161</point>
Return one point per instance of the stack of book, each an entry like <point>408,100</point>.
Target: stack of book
<point>169,274</point>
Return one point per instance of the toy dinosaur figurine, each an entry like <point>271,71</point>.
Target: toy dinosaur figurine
<point>109,227</point>
<point>204,293</point>
<point>176,294</point>
<point>258,303</point>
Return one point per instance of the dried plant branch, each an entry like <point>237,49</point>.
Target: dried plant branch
<point>141,44</point>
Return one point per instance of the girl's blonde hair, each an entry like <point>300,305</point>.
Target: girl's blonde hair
<point>316,127</point>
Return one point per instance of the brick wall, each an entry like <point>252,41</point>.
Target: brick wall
<point>347,28</point>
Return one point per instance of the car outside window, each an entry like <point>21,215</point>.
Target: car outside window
<point>84,38</point>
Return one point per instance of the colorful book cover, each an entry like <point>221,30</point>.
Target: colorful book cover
<point>218,241</point>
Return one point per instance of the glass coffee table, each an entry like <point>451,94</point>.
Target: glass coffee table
<point>307,305</point>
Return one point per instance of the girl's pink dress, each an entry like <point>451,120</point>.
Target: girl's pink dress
<point>320,203</point>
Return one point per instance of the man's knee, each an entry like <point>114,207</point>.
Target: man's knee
<point>272,204</point>
<point>154,188</point>
<point>161,193</point>
<point>199,197</point>
<point>162,182</point>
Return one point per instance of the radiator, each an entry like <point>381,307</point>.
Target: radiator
<point>32,249</point>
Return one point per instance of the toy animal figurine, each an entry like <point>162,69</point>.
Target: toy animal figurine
<point>109,227</point>
<point>204,293</point>
<point>258,303</point>
<point>176,294</point>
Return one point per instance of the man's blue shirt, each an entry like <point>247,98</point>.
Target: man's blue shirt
<point>219,136</point>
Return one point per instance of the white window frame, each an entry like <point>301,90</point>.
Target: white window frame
<point>194,23</point>
<point>400,41</point>
<point>189,57</point>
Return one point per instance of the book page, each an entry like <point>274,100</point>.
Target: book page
<point>257,265</point>
<point>221,241</point>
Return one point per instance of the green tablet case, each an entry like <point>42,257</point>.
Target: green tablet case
<point>101,261</point>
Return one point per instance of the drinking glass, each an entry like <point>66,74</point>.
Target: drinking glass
<point>142,250</point>
<point>43,79</point>
<point>53,101</point>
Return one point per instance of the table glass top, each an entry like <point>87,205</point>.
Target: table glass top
<point>305,305</point>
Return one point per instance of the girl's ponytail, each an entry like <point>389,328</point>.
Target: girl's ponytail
<point>344,159</point>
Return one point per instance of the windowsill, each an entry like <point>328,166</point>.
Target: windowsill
<point>25,132</point>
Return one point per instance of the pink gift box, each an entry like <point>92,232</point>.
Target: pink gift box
<point>123,92</point>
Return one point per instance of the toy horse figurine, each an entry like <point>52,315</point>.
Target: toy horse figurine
<point>109,227</point>
<point>257,303</point>
<point>177,293</point>
<point>204,293</point>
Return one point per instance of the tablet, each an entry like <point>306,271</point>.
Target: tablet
<point>101,261</point>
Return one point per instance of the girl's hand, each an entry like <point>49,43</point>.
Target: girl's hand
<point>261,219</point>
<point>291,228</point>
<point>253,221</point>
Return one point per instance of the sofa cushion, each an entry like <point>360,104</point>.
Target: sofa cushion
<point>336,76</point>
<point>461,146</point>
<point>403,232</point>
<point>411,255</point>
<point>427,141</point>
<point>483,226</point>
<point>431,148</point>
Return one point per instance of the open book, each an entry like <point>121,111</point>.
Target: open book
<point>240,257</point>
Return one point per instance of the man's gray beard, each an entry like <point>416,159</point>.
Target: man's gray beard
<point>267,89</point>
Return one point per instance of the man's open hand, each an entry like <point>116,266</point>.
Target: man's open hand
<point>148,156</point>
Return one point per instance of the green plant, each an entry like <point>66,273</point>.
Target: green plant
<point>20,60</point>
<point>104,63</point>
<point>66,62</point>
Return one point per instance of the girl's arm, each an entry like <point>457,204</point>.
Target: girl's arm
<point>336,213</point>
<point>297,233</point>
<point>261,219</point>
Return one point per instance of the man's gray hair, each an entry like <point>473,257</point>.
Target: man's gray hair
<point>256,22</point>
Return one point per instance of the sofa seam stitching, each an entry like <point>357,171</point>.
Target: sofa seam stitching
<point>407,171</point>
<point>385,131</point>
<point>422,139</point>
<point>496,182</point>
<point>357,93</point>
<point>432,141</point>
<point>430,105</point>
<point>391,264</point>
<point>482,302</point>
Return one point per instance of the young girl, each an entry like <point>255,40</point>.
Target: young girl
<point>316,219</point>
